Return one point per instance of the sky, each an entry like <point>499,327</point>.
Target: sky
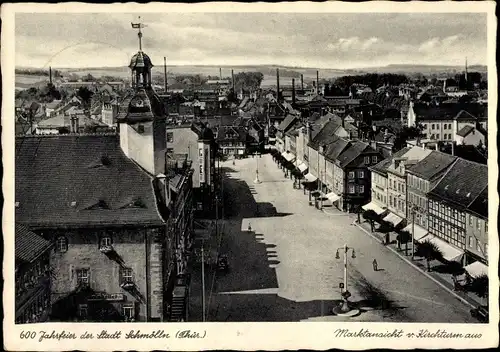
<point>327,40</point>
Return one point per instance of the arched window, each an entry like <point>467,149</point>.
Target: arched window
<point>105,240</point>
<point>62,244</point>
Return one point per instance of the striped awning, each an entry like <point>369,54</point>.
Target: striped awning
<point>418,232</point>
<point>393,219</point>
<point>476,269</point>
<point>372,206</point>
<point>303,167</point>
<point>310,177</point>
<point>332,197</point>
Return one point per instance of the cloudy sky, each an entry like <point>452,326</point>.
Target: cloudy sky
<point>334,40</point>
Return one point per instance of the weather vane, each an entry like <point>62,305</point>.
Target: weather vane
<point>138,26</point>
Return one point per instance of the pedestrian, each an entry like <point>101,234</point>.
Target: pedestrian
<point>375,265</point>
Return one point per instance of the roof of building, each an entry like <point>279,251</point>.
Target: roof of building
<point>29,245</point>
<point>80,180</point>
<point>287,122</point>
<point>53,104</point>
<point>432,164</point>
<point>140,60</point>
<point>355,149</point>
<point>143,105</point>
<point>325,135</point>
<point>334,149</point>
<point>479,205</point>
<point>468,111</point>
<point>462,183</point>
<point>232,133</point>
<point>65,121</point>
<point>382,166</point>
<point>464,131</point>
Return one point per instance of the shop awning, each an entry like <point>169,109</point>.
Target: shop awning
<point>393,219</point>
<point>289,157</point>
<point>477,269</point>
<point>310,177</point>
<point>450,253</point>
<point>419,233</point>
<point>332,197</point>
<point>303,167</point>
<point>372,206</point>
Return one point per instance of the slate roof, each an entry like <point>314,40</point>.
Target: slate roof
<point>450,111</point>
<point>464,131</point>
<point>355,149</point>
<point>334,149</point>
<point>432,164</point>
<point>29,245</point>
<point>462,183</point>
<point>325,135</point>
<point>382,166</point>
<point>65,121</point>
<point>480,204</point>
<point>80,181</point>
<point>287,123</point>
<point>239,132</point>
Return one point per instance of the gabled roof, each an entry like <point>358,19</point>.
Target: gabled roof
<point>28,245</point>
<point>239,133</point>
<point>355,149</point>
<point>432,165</point>
<point>462,183</point>
<point>464,131</point>
<point>479,205</point>
<point>334,149</point>
<point>287,123</point>
<point>382,166</point>
<point>59,180</point>
<point>325,135</point>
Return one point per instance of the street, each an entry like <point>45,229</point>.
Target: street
<point>285,268</point>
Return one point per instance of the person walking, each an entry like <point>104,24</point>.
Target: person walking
<point>375,265</point>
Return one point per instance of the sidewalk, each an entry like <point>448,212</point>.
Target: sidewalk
<point>444,279</point>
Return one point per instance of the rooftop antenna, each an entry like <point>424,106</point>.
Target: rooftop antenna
<point>139,26</point>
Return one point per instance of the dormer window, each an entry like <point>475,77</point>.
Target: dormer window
<point>105,241</point>
<point>62,244</point>
<point>140,129</point>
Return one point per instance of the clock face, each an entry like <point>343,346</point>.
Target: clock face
<point>137,102</point>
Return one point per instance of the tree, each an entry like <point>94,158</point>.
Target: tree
<point>248,80</point>
<point>429,251</point>
<point>404,237</point>
<point>371,217</point>
<point>85,94</point>
<point>406,134</point>
<point>480,286</point>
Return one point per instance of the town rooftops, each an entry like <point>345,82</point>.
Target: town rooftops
<point>80,181</point>
<point>462,183</point>
<point>382,166</point>
<point>469,111</point>
<point>432,164</point>
<point>326,134</point>
<point>334,149</point>
<point>287,123</point>
<point>28,245</point>
<point>65,121</point>
<point>465,131</point>
<point>411,157</point>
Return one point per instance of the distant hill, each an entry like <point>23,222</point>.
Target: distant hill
<point>424,69</point>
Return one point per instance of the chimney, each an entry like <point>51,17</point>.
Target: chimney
<point>278,84</point>
<point>50,75</point>
<point>302,82</point>
<point>453,148</point>
<point>232,77</point>
<point>317,82</point>
<point>165,72</point>
<point>293,90</point>
<point>220,72</point>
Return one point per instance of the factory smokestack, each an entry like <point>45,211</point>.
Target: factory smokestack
<point>220,72</point>
<point>165,73</point>
<point>302,82</point>
<point>50,74</point>
<point>232,77</point>
<point>317,82</point>
<point>278,84</point>
<point>293,91</point>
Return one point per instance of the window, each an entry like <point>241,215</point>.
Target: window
<point>445,126</point>
<point>478,224</point>
<point>478,246</point>
<point>470,220</point>
<point>374,159</point>
<point>449,126</point>
<point>486,227</point>
<point>83,311</point>
<point>351,174</point>
<point>352,189</point>
<point>140,129</point>
<point>105,241</point>
<point>361,189</point>
<point>82,277</point>
<point>425,125</point>
<point>126,275</point>
<point>367,160</point>
<point>62,244</point>
<point>170,150</point>
<point>128,311</point>
<point>390,201</point>
<point>432,127</point>
<point>486,249</point>
<point>432,136</point>
<point>361,174</point>
<point>170,137</point>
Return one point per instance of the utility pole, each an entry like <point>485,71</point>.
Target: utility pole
<point>203,277</point>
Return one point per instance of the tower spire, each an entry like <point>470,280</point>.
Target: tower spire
<point>139,26</point>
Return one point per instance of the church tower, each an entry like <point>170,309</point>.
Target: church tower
<point>141,118</point>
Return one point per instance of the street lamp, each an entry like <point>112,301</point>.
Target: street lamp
<point>257,171</point>
<point>344,308</point>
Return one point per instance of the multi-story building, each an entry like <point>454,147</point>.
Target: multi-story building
<point>476,258</point>
<point>422,177</point>
<point>197,141</point>
<point>105,201</point>
<point>283,127</point>
<point>379,184</point>
<point>451,202</point>
<point>232,140</point>
<point>32,276</point>
<point>396,180</point>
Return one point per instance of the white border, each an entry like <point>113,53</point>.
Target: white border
<point>242,336</point>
